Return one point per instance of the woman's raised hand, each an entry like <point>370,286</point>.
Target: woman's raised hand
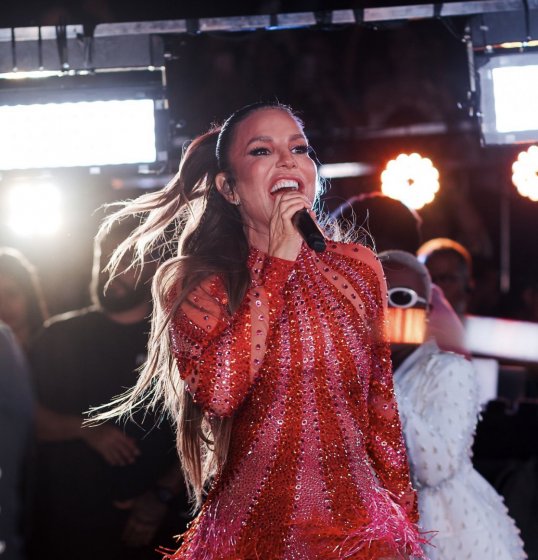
<point>284,239</point>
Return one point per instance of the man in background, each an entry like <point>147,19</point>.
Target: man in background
<point>451,268</point>
<point>102,492</point>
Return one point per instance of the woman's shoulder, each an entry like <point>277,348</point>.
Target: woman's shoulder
<point>361,254</point>
<point>451,359</point>
<point>451,367</point>
<point>356,251</point>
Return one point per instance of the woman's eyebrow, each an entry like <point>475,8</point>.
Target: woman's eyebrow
<point>259,139</point>
<point>270,139</point>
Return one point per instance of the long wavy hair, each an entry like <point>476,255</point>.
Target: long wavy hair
<point>196,234</point>
<point>14,265</point>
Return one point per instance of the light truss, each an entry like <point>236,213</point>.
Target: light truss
<point>139,44</point>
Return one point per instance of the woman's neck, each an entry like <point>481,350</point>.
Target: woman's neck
<point>258,240</point>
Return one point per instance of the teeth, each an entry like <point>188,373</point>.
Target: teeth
<point>285,184</point>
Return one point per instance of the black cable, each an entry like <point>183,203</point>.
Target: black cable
<point>526,11</point>
<point>88,31</point>
<point>13,51</point>
<point>61,43</point>
<point>193,26</point>
<point>39,48</point>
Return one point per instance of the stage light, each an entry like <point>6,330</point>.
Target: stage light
<point>77,134</point>
<point>519,45</point>
<point>340,170</point>
<point>508,109</point>
<point>515,89</point>
<point>410,178</point>
<point>33,75</point>
<point>34,208</point>
<point>525,173</point>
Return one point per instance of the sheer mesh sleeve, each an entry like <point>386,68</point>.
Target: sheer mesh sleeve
<point>385,442</point>
<point>219,354</point>
<point>439,432</point>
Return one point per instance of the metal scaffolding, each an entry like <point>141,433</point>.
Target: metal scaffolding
<point>140,44</point>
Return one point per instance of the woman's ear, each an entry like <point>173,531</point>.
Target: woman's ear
<point>222,183</point>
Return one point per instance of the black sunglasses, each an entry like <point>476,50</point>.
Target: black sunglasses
<point>404,298</point>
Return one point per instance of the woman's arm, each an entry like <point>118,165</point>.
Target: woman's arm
<point>219,354</point>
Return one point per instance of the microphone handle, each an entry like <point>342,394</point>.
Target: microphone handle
<point>309,230</point>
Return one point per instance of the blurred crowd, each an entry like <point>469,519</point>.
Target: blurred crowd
<point>114,490</point>
<point>68,490</point>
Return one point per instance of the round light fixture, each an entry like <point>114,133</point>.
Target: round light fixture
<point>525,173</point>
<point>410,178</point>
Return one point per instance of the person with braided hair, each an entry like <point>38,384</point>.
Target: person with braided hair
<point>270,357</point>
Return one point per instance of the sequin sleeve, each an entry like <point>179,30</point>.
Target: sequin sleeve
<point>218,354</point>
<point>439,431</point>
<point>385,442</point>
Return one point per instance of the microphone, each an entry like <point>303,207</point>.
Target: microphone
<point>309,230</point>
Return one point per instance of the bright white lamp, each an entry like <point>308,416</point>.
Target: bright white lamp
<point>525,173</point>
<point>410,178</point>
<point>34,208</point>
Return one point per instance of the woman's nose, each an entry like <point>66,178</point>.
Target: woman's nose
<point>286,160</point>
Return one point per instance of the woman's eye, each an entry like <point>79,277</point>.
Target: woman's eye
<point>259,152</point>
<point>302,149</point>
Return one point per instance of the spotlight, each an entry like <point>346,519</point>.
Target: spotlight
<point>508,109</point>
<point>525,173</point>
<point>34,75</point>
<point>410,178</point>
<point>34,209</point>
<point>339,170</point>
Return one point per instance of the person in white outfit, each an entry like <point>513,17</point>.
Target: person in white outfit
<point>437,394</point>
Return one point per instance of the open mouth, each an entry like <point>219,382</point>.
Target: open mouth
<point>285,184</point>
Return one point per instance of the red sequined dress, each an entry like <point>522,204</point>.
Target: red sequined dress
<point>317,468</point>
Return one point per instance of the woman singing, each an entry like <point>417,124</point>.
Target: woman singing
<point>271,358</point>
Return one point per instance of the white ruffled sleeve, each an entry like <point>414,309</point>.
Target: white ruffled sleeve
<point>439,428</point>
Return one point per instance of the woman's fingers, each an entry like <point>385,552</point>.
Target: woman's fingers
<point>284,201</point>
<point>287,205</point>
<point>285,241</point>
